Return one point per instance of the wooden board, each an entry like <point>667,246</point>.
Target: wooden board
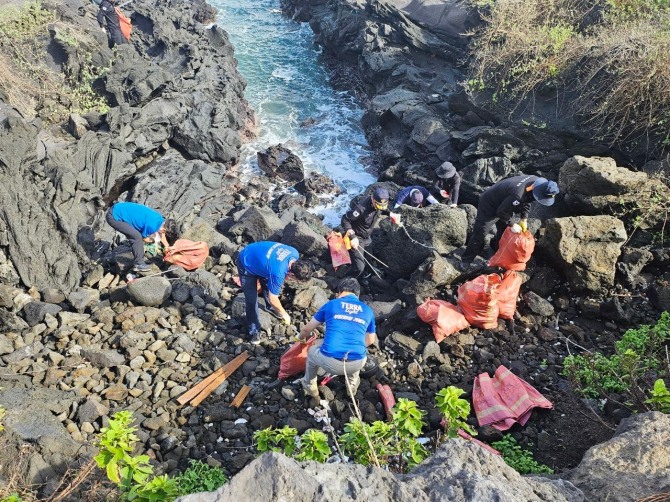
<point>241,396</point>
<point>202,385</point>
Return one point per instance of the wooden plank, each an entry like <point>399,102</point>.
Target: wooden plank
<point>200,386</point>
<point>241,396</point>
<point>228,370</point>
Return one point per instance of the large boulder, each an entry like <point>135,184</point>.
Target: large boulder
<point>279,161</point>
<point>149,291</point>
<point>304,239</point>
<point>34,312</point>
<point>257,223</point>
<point>585,249</point>
<point>632,465</point>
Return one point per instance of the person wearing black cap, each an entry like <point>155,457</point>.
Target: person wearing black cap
<point>415,196</point>
<point>358,223</point>
<point>107,16</point>
<point>447,183</point>
<point>498,205</point>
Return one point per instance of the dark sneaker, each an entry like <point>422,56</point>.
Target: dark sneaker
<point>464,266</point>
<point>141,267</point>
<point>255,337</point>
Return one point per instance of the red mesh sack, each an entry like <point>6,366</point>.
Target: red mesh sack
<point>508,293</point>
<point>514,250</point>
<point>478,300</point>
<point>187,254</point>
<point>294,360</point>
<point>124,23</point>
<point>445,318</point>
<point>339,254</point>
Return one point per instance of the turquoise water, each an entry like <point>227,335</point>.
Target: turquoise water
<point>287,85</point>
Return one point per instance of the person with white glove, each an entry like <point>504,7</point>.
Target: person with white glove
<point>447,184</point>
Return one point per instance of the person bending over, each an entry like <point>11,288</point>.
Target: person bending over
<point>414,196</point>
<point>447,184</point>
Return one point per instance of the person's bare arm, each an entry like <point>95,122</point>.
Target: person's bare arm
<point>308,328</point>
<point>370,338</point>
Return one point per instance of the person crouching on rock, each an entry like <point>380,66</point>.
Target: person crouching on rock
<point>350,329</point>
<point>358,223</point>
<point>140,224</point>
<point>447,184</point>
<point>498,205</point>
<point>107,13</point>
<point>269,262</point>
<point>414,196</point>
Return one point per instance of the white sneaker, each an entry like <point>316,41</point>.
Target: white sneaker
<point>310,390</point>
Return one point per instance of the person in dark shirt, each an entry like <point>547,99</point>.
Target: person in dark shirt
<point>107,16</point>
<point>350,329</point>
<point>447,184</point>
<point>498,205</point>
<point>358,223</point>
<point>414,196</point>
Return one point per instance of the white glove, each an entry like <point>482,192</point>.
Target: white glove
<point>516,228</point>
<point>287,319</point>
<point>444,194</point>
<point>354,243</point>
<point>453,205</point>
<point>395,218</point>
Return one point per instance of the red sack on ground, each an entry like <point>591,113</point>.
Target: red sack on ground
<point>478,300</point>
<point>508,292</point>
<point>124,23</point>
<point>187,254</point>
<point>338,250</point>
<point>445,318</point>
<point>387,398</point>
<point>514,250</point>
<point>294,360</point>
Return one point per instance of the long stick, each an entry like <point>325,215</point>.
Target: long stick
<point>229,369</point>
<point>368,263</point>
<point>200,386</point>
<point>373,256</point>
<point>241,396</point>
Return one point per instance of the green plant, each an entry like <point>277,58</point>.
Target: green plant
<point>313,446</point>
<point>519,459</point>
<point>454,409</point>
<point>660,397</point>
<point>279,440</point>
<point>14,497</point>
<point>200,477</point>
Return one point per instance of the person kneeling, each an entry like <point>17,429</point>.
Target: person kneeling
<point>350,329</point>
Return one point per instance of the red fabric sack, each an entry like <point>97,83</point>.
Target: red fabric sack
<point>514,250</point>
<point>187,254</point>
<point>508,292</point>
<point>478,300</point>
<point>124,23</point>
<point>339,254</point>
<point>387,398</point>
<point>445,318</point>
<point>294,360</point>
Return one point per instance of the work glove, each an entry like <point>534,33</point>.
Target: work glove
<point>354,243</point>
<point>524,225</point>
<point>287,319</point>
<point>516,228</point>
<point>395,218</point>
<point>453,205</point>
<point>444,194</point>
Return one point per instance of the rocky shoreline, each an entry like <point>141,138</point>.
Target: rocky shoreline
<point>79,341</point>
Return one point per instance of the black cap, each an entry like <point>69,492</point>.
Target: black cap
<point>416,197</point>
<point>380,194</point>
<point>446,170</point>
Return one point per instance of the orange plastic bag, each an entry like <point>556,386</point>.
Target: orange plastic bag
<point>508,293</point>
<point>124,23</point>
<point>514,250</point>
<point>294,360</point>
<point>187,254</point>
<point>338,250</point>
<point>478,300</point>
<point>445,318</point>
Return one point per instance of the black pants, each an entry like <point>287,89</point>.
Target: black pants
<point>357,261</point>
<point>115,37</point>
<point>483,225</point>
<point>133,235</point>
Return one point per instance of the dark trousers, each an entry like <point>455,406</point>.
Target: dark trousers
<point>249,288</point>
<point>115,37</point>
<point>483,225</point>
<point>133,235</point>
<point>357,261</point>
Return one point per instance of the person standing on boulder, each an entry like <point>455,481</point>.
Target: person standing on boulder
<point>107,14</point>
<point>498,205</point>
<point>269,262</point>
<point>358,223</point>
<point>350,329</point>
<point>447,183</point>
<point>140,224</point>
<point>414,196</point>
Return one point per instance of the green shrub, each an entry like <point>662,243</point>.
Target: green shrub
<point>660,397</point>
<point>200,477</point>
<point>14,497</point>
<point>519,459</point>
<point>454,410</point>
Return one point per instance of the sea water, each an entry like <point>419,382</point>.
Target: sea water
<point>287,86</point>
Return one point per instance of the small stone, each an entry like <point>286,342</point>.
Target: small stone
<point>414,369</point>
<point>87,427</point>
<point>137,362</point>
<point>288,393</point>
<point>183,358</point>
<point>432,349</point>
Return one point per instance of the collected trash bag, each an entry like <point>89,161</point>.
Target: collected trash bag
<point>478,300</point>
<point>338,250</point>
<point>387,399</point>
<point>508,292</point>
<point>445,318</point>
<point>187,254</point>
<point>124,23</point>
<point>514,250</point>
<point>294,360</point>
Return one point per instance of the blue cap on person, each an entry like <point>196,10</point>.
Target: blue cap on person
<point>545,191</point>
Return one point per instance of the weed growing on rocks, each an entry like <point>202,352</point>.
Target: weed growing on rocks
<point>519,459</point>
<point>200,477</point>
<point>660,397</point>
<point>455,410</point>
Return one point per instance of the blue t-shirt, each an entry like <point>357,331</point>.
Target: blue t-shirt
<point>268,260</point>
<point>347,321</point>
<point>142,218</point>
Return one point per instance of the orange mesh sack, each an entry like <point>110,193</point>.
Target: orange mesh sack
<point>187,254</point>
<point>339,254</point>
<point>514,250</point>
<point>508,293</point>
<point>294,360</point>
<point>478,300</point>
<point>124,23</point>
<point>445,318</point>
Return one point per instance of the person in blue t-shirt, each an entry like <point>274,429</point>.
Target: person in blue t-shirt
<point>140,224</point>
<point>350,329</point>
<point>269,262</point>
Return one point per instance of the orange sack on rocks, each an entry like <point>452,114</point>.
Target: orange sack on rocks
<point>508,293</point>
<point>187,254</point>
<point>478,300</point>
<point>445,318</point>
<point>514,250</point>
<point>294,360</point>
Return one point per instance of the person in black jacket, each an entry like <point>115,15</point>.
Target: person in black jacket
<point>358,223</point>
<point>498,205</point>
<point>108,15</point>
<point>447,184</point>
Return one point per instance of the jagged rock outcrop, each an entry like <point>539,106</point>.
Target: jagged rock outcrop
<point>279,161</point>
